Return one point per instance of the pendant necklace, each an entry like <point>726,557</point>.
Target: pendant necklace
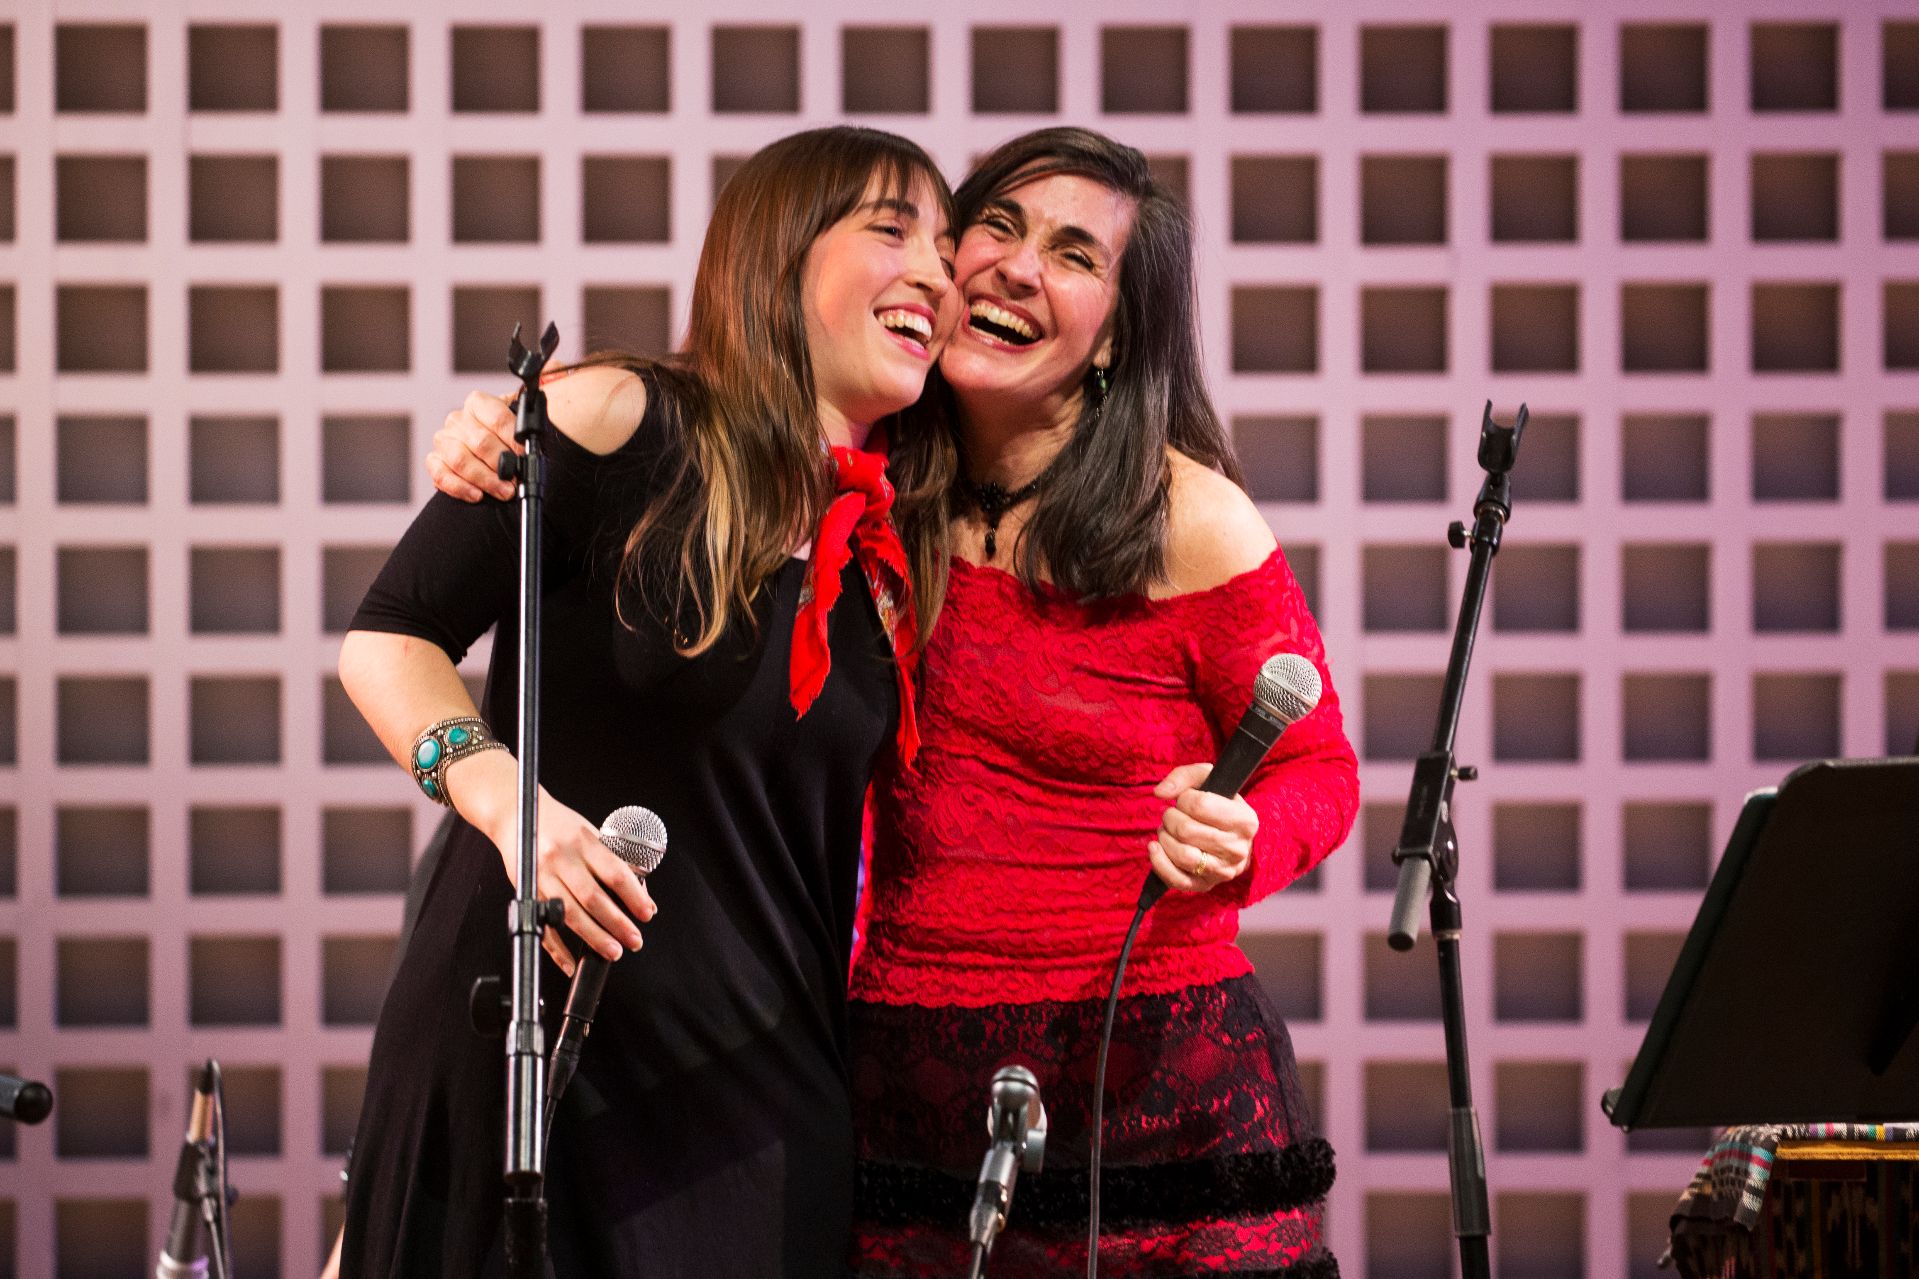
<point>993,500</point>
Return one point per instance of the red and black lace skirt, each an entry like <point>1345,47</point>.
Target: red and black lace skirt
<point>1211,1165</point>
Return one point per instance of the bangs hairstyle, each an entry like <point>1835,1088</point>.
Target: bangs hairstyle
<point>1098,527</point>
<point>754,479</point>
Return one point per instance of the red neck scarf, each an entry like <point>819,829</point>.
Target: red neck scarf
<point>858,522</point>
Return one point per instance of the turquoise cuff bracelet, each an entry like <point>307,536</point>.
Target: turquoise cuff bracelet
<point>443,743</point>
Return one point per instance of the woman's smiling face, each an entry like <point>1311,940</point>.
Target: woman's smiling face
<point>879,303</point>
<point>1038,275</point>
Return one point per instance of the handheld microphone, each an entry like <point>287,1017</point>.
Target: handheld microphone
<point>637,837</point>
<point>183,1257</point>
<point>25,1101</point>
<point>1285,692</point>
<point>1016,1121</point>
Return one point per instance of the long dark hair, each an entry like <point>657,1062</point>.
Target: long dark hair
<point>1098,528</point>
<point>753,480</point>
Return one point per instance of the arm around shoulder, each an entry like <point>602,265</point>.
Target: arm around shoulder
<point>1214,531</point>
<point>598,407</point>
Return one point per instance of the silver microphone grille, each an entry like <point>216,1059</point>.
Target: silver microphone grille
<point>637,837</point>
<point>1288,687</point>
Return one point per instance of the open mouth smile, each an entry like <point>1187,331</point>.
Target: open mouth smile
<point>912,328</point>
<point>1000,325</point>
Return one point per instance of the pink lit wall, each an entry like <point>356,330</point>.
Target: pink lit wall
<point>247,260</point>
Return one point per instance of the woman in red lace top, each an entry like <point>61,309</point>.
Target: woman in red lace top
<point>1112,595</point>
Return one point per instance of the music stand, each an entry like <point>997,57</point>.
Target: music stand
<point>1796,994</point>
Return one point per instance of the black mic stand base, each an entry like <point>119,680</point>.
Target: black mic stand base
<point>525,1226</point>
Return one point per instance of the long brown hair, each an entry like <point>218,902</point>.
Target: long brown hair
<point>753,479</point>
<point>1098,528</point>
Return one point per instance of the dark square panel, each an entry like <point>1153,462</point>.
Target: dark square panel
<point>1899,66</point>
<point>1402,69</point>
<point>1275,199</point>
<point>1143,70</point>
<point>365,458</point>
<point>496,199</point>
<point>1663,197</point>
<point>885,70</point>
<point>100,199</point>
<point>1403,330</point>
<point>626,199</point>
<point>496,69</point>
<point>1899,197</point>
<point>366,329</point>
<point>233,981</point>
<point>637,318</point>
<point>1402,199</point>
<point>233,328</point>
<point>100,459</point>
<point>1795,328</point>
<point>233,719</point>
<point>1275,70</point>
<point>626,68</point>
<point>1795,66</point>
<point>233,199</point>
<point>1663,67</point>
<point>233,68</point>
<point>1015,70</point>
<point>1665,457</point>
<point>363,68</point>
<point>1795,196</point>
<point>100,68</point>
<point>1664,328</point>
<point>483,321</point>
<point>364,199</point>
<point>1668,717</point>
<point>1279,456</point>
<point>1535,198</point>
<point>756,70</point>
<point>1275,329</point>
<point>233,460</point>
<point>100,328</point>
<point>1535,328</point>
<point>101,590</point>
<point>1535,69</point>
<point>1403,458</point>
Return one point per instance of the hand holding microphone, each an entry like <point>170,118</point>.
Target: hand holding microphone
<point>1204,842</point>
<point>637,837</point>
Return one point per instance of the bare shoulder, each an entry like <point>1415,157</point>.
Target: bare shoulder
<point>1214,531</point>
<point>598,408</point>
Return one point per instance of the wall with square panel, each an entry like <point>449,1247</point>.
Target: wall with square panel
<point>247,260</point>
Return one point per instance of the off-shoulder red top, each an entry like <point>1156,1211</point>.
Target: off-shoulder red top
<point>1007,866</point>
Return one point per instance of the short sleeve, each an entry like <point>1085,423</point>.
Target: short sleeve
<point>455,572</point>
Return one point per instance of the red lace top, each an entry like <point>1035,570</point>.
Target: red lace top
<point>1007,867</point>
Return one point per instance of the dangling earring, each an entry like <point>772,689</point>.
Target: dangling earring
<point>1099,381</point>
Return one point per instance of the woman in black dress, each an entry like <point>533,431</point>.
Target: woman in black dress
<point>703,516</point>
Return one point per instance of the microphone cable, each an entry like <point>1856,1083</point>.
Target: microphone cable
<point>1099,1082</point>
<point>1285,691</point>
<point>219,1226</point>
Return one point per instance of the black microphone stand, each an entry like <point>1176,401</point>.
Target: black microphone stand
<point>525,1217</point>
<point>1428,852</point>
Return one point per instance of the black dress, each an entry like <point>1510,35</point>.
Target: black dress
<point>708,1131</point>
